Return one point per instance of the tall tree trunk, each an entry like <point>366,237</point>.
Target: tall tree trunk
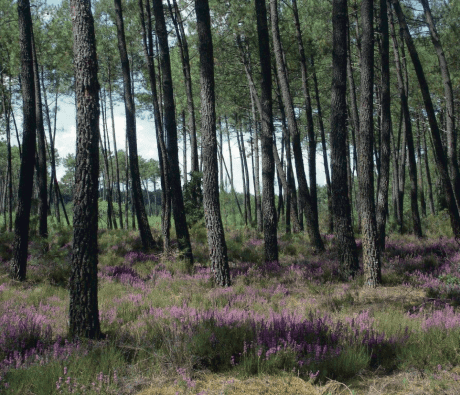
<point>371,254</point>
<point>8,184</point>
<point>105,154</point>
<point>243,174</point>
<point>404,102</point>
<point>268,167</point>
<point>143,223</point>
<point>448,93</point>
<point>147,40</point>
<point>441,160</point>
<point>214,226</point>
<point>338,137</point>
<point>41,152</point>
<point>419,156</point>
<point>385,134</point>
<point>306,200</point>
<point>184,147</point>
<point>171,134</point>
<point>246,175</point>
<point>21,224</point>
<point>117,167</point>
<point>323,145</point>
<point>428,175</point>
<point>83,310</point>
<point>53,180</point>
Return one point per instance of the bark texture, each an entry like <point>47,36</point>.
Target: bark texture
<point>211,203</point>
<point>83,311</point>
<point>268,166</point>
<point>371,254</point>
<point>340,203</point>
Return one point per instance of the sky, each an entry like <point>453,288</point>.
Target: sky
<point>147,144</point>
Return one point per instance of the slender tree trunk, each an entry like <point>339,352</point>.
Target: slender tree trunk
<point>184,149</point>
<point>162,153</point>
<point>83,311</point>
<point>306,199</point>
<point>171,134</point>
<point>115,148</point>
<point>385,134</point>
<point>106,167</point>
<point>255,156</point>
<point>323,145</point>
<point>214,226</point>
<point>21,224</point>
<point>268,168</point>
<point>185,59</point>
<point>404,102</point>
<point>419,156</point>
<point>441,160</point>
<point>41,152</point>
<point>144,228</point>
<point>371,254</point>
<point>308,111</point>
<point>8,183</point>
<point>243,175</point>
<point>428,176</point>
<point>338,137</point>
<point>246,174</point>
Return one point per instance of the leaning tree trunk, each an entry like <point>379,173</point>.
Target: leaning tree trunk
<point>26,176</point>
<point>41,153</point>
<point>142,221</point>
<point>371,254</point>
<point>214,226</point>
<point>338,137</point>
<point>428,175</point>
<point>83,311</point>
<point>385,134</point>
<point>441,160</point>
<point>172,161</point>
<point>268,167</point>
<point>306,200</point>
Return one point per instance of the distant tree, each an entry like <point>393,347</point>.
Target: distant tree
<point>83,310</point>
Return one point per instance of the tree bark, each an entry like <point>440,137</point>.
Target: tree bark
<point>428,175</point>
<point>338,137</point>
<point>385,134</point>
<point>83,311</point>
<point>268,167</point>
<point>41,152</point>
<point>142,221</point>
<point>211,203</point>
<point>180,220</point>
<point>21,224</point>
<point>371,254</point>
<point>306,200</point>
<point>441,160</point>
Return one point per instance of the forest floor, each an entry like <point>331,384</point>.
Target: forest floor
<point>282,328</point>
